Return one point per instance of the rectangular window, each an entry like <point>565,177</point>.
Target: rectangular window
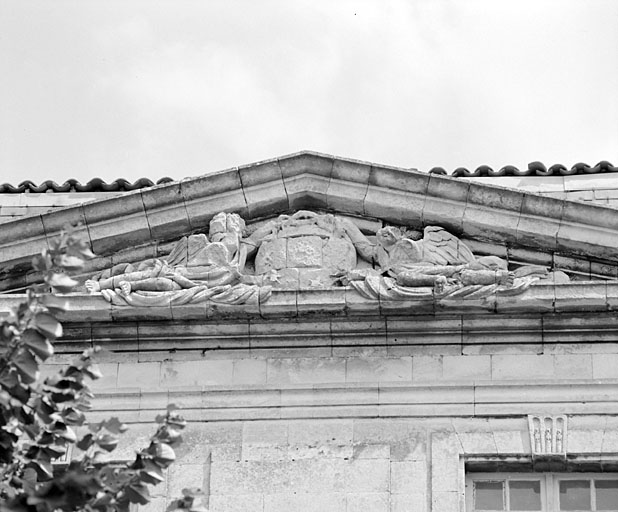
<point>544,492</point>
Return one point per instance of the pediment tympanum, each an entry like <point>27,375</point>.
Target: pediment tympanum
<point>310,250</point>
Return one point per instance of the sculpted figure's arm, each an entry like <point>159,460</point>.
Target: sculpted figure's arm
<point>364,248</point>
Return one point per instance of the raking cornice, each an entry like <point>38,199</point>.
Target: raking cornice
<point>317,181</point>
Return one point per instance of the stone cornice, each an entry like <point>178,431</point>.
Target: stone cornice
<point>380,400</point>
<point>576,312</point>
<point>312,180</point>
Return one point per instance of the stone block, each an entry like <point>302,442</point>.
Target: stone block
<point>409,477</point>
<point>139,375</point>
<point>444,475</point>
<point>605,366</point>
<point>109,379</point>
<point>364,475</point>
<point>307,162</point>
<point>307,502</point>
<point>265,432</point>
<point>196,373</point>
<point>584,441</point>
<point>427,368</point>
<point>22,239</point>
<point>249,371</point>
<point>486,222</point>
<point>304,370</point>
<point>573,366</point>
<point>399,179</point>
<point>408,503</point>
<point>166,212</point>
<point>55,221</point>
<point>445,445</point>
<point>331,301</point>
<point>446,500</point>
<point>348,186</point>
<point>327,396</point>
<point>323,433</point>
<point>466,367</point>
<point>213,193</point>
<point>394,207</point>
<point>106,233</point>
<point>535,367</point>
<point>156,504</point>
<point>363,501</point>
<point>306,191</point>
<point>263,187</point>
<point>282,303</point>
<point>379,369</point>
<point>372,451</point>
<point>181,476</point>
<point>444,212</point>
<point>236,502</point>
<point>581,296</point>
<point>610,441</point>
<point>515,442</point>
<point>477,442</point>
<point>424,330</point>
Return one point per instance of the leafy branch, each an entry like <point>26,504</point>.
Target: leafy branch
<point>38,419</point>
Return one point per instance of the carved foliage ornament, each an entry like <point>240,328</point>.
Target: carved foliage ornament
<point>310,250</point>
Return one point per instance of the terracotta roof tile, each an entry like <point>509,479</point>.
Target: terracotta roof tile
<point>72,185</point>
<point>534,169</point>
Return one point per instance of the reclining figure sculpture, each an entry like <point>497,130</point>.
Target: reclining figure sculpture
<point>310,250</point>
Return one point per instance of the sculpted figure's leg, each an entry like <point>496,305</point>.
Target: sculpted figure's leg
<point>415,279</point>
<point>153,284</point>
<point>485,277</point>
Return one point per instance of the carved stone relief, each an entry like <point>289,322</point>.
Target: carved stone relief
<point>548,435</point>
<point>311,250</point>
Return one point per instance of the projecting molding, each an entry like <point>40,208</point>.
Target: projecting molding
<point>134,227</point>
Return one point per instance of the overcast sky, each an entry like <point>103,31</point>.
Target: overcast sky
<point>179,88</point>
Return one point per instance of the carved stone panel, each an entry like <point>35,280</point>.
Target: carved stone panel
<point>548,435</point>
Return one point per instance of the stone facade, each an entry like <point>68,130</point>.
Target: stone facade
<point>316,395</point>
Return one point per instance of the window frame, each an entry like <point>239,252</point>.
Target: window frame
<point>550,486</point>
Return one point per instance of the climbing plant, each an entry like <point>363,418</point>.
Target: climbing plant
<point>39,418</point>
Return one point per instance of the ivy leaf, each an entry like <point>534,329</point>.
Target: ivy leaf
<point>107,442</point>
<point>62,283</point>
<point>47,325</point>
<point>69,262</point>
<point>163,454</point>
<point>73,417</point>
<point>151,473</point>
<point>43,469</point>
<point>115,426</point>
<point>37,343</point>
<point>54,303</point>
<point>138,493</point>
<point>42,262</point>
<point>9,378</point>
<point>26,365</point>
<point>85,442</point>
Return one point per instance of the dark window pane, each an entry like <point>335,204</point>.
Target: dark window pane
<point>489,495</point>
<point>525,495</point>
<point>575,495</point>
<point>607,494</point>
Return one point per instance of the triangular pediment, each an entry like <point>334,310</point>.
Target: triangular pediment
<point>485,215</point>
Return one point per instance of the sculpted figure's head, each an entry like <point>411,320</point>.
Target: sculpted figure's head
<point>223,224</point>
<point>388,236</point>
